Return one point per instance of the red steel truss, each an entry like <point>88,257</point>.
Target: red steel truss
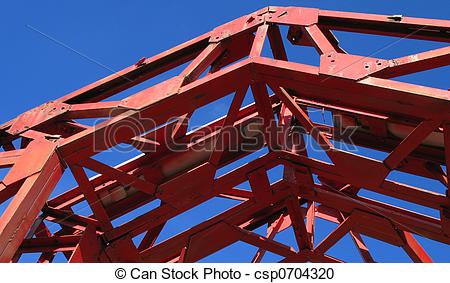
<point>410,123</point>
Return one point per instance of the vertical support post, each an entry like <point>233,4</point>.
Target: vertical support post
<point>88,249</point>
<point>258,43</point>
<point>413,248</point>
<point>41,159</point>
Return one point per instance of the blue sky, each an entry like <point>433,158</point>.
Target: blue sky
<point>116,34</point>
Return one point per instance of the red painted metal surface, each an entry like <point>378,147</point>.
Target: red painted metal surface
<point>410,123</point>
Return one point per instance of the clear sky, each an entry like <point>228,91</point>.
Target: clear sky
<point>50,48</point>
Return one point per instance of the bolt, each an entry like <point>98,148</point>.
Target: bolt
<point>140,62</point>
